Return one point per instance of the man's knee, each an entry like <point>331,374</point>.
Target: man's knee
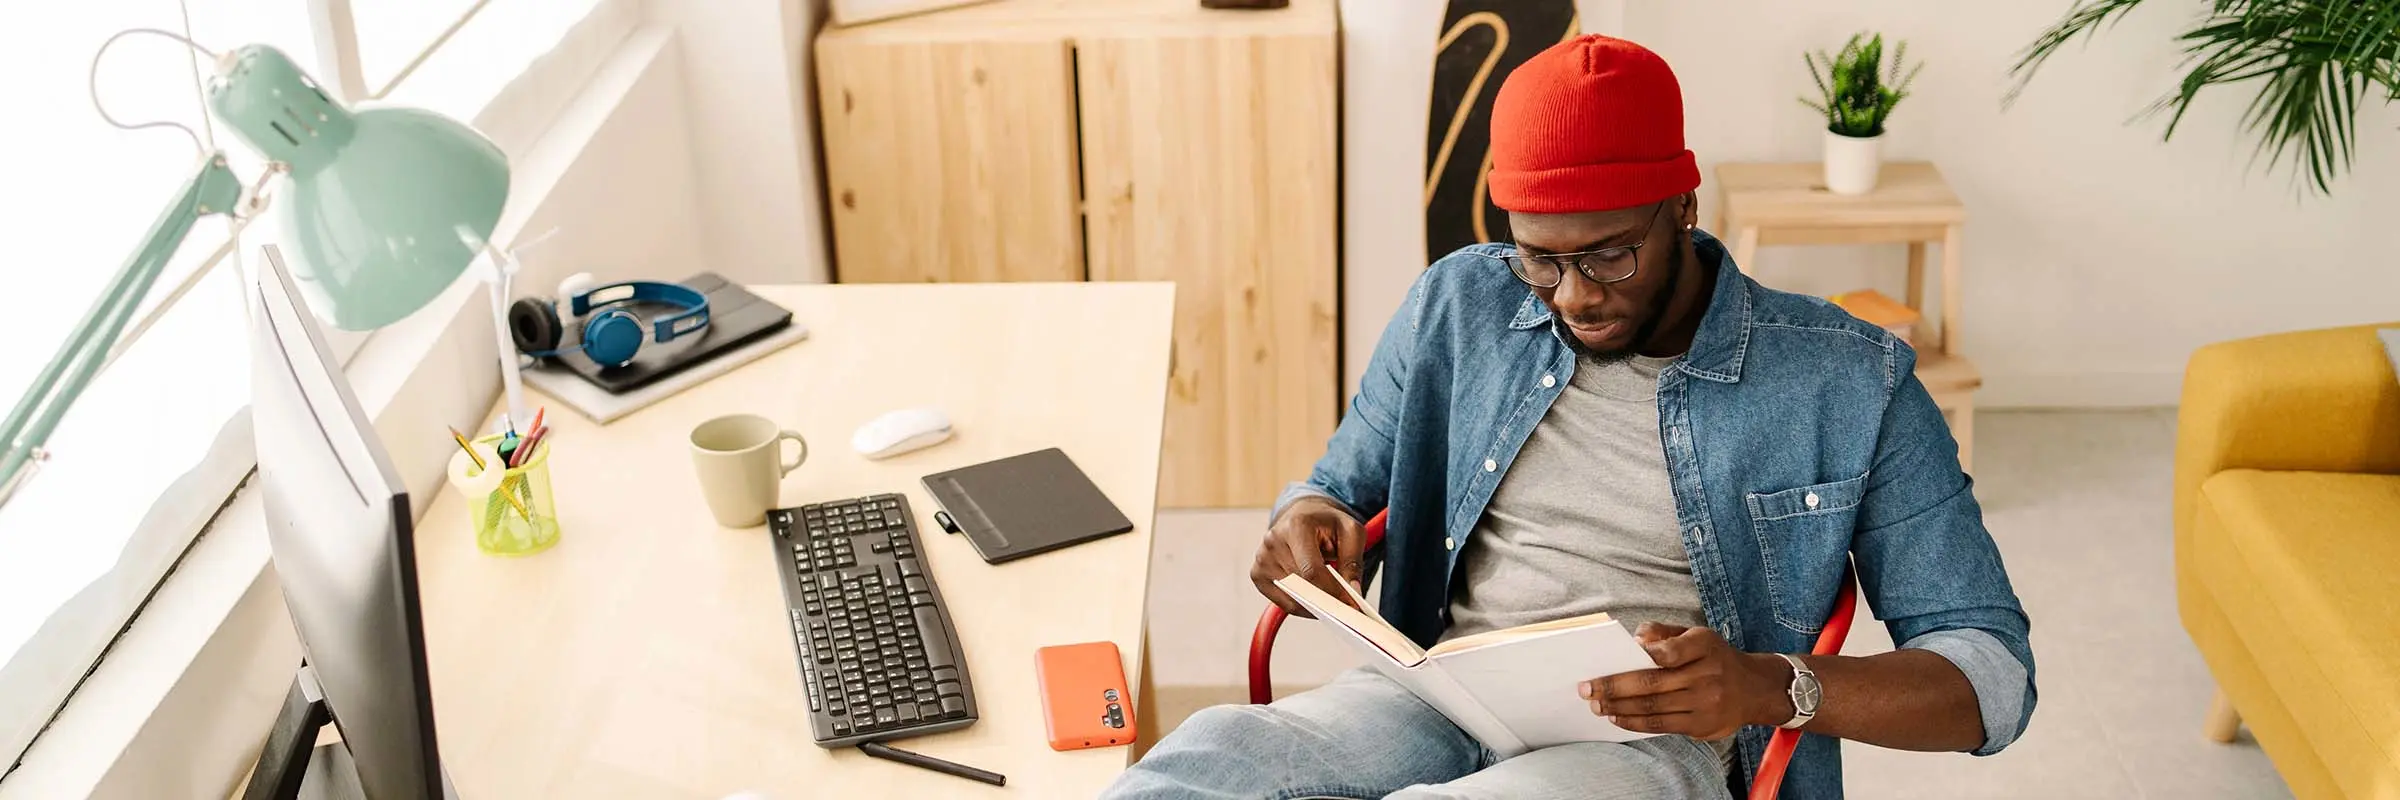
<point>1215,727</point>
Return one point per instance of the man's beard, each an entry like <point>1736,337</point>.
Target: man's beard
<point>1658,310</point>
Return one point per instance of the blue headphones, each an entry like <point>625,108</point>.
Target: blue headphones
<point>610,335</point>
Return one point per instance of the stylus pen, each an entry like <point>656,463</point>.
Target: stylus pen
<point>878,750</point>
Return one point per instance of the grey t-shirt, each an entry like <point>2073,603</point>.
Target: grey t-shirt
<point>1584,520</point>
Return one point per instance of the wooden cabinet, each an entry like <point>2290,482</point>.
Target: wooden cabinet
<point>1116,140</point>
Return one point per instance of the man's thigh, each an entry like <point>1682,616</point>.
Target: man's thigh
<point>1359,736</point>
<point>1659,767</point>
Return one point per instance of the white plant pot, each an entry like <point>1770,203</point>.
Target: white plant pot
<point>1851,163</point>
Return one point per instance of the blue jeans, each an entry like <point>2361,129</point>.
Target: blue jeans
<point>1363,736</point>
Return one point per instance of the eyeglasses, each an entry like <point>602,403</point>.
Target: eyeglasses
<point>1605,265</point>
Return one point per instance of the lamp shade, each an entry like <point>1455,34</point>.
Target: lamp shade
<point>385,206</point>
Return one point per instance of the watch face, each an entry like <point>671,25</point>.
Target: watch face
<point>1806,693</point>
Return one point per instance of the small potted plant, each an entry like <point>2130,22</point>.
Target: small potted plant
<point>1857,99</point>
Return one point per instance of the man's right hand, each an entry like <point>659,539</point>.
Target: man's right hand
<point>1311,531</point>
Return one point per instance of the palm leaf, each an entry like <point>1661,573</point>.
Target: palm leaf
<point>2311,64</point>
<point>2085,19</point>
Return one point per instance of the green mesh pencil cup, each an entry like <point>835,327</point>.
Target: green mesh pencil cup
<point>512,509</point>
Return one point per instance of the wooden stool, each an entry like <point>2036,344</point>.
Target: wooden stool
<point>1774,204</point>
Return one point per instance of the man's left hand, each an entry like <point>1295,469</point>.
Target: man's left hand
<point>1703,687</point>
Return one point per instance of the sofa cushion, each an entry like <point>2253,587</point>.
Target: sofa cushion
<point>2306,566</point>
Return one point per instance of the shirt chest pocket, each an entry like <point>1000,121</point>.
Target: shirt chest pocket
<point>1804,542</point>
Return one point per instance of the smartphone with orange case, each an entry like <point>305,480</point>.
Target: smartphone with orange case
<point>1084,701</point>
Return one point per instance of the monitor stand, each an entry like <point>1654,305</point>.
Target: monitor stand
<point>293,766</point>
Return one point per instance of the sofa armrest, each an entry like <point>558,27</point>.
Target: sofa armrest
<point>2321,400</point>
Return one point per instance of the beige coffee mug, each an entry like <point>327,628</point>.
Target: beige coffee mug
<point>740,472</point>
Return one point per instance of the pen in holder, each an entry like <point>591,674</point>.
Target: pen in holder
<point>512,509</point>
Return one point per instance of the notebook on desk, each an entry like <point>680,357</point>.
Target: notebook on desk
<point>1023,505</point>
<point>742,328</point>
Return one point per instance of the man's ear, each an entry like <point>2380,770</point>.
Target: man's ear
<point>1691,211</point>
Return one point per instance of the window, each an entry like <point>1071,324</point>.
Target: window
<point>160,440</point>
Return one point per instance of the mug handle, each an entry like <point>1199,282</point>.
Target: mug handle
<point>801,459</point>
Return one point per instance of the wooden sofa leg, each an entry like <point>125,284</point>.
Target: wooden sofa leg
<point>2223,722</point>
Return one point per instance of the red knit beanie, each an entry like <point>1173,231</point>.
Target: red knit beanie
<point>1591,124</point>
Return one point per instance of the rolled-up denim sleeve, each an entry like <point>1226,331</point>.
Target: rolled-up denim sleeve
<point>1929,568</point>
<point>2000,681</point>
<point>1303,489</point>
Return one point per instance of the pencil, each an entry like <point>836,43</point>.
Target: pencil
<point>463,445</point>
<point>525,448</point>
<point>480,465</point>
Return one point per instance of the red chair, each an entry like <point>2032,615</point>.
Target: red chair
<point>1763,786</point>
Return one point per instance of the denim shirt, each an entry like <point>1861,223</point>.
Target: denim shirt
<point>1798,440</point>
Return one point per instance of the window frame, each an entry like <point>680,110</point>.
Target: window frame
<point>62,668</point>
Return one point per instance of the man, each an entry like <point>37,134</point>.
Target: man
<point>1608,416</point>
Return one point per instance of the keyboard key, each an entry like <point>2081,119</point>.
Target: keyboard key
<point>910,568</point>
<point>908,713</point>
<point>886,716</point>
<point>841,728</point>
<point>954,707</point>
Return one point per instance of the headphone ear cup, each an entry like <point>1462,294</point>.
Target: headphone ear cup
<point>612,337</point>
<point>534,327</point>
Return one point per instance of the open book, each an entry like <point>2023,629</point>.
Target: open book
<point>1512,689</point>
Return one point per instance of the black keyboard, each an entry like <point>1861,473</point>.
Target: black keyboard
<point>876,648</point>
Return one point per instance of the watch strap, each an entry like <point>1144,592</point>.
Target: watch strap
<point>1801,713</point>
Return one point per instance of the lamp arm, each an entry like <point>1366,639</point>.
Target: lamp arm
<point>212,189</point>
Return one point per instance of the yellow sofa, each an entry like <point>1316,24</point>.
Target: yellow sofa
<point>2287,551</point>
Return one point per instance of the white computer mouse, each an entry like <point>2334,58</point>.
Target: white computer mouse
<point>900,432</point>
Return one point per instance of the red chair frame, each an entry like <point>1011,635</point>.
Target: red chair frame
<point>1778,758</point>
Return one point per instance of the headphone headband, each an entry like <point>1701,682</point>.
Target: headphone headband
<point>663,328</point>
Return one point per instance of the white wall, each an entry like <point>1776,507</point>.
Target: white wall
<point>750,91</point>
<point>2097,257</point>
<point>613,174</point>
<point>613,178</point>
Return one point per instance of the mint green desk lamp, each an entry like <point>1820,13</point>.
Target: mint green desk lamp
<point>384,207</point>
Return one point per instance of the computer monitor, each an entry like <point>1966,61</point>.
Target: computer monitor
<point>338,521</point>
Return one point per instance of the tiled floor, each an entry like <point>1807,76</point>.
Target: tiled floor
<point>2079,504</point>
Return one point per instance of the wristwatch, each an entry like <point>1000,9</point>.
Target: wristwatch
<point>1806,693</point>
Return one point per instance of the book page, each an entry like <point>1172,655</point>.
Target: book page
<point>1528,682</point>
<point>1368,626</point>
<point>1487,638</point>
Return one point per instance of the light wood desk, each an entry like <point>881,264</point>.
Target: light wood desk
<point>648,654</point>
